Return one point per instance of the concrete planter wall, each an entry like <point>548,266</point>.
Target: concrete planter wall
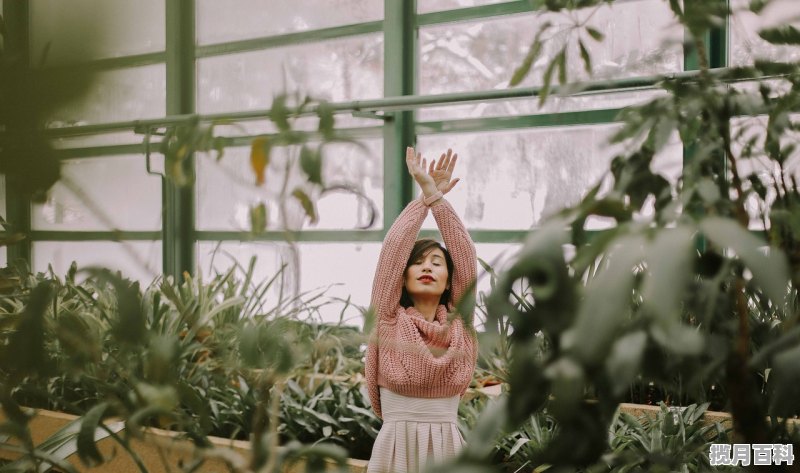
<point>161,451</point>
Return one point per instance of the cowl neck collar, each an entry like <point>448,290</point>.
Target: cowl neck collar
<point>440,318</point>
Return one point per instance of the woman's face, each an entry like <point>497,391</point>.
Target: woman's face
<point>427,276</point>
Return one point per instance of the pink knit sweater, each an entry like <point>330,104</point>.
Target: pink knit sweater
<point>406,353</point>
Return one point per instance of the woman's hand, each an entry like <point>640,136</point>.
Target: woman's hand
<point>416,167</point>
<point>442,171</point>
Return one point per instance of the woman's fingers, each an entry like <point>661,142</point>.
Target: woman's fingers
<point>430,169</point>
<point>452,164</point>
<point>451,185</point>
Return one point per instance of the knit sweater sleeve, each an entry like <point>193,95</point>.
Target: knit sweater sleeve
<point>388,285</point>
<point>460,246</point>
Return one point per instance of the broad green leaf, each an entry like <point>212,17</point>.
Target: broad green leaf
<point>87,449</point>
<point>622,364</point>
<point>307,203</point>
<point>326,119</point>
<point>311,164</point>
<point>562,66</point>
<point>678,338</point>
<point>595,33</point>
<point>258,218</point>
<point>708,190</point>
<point>489,425</point>
<point>785,381</point>
<point>770,269</point>
<point>279,113</point>
<point>523,69</point>
<point>547,79</point>
<point>784,34</point>
<point>669,266</point>
<point>25,353</point>
<point>586,57</point>
<point>606,304</point>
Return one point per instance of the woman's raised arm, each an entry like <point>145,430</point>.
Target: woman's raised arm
<point>455,235</point>
<point>388,283</point>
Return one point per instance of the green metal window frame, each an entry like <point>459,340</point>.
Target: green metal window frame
<point>400,27</point>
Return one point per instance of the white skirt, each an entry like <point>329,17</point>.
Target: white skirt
<point>415,432</point>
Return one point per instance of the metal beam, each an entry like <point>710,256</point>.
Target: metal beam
<point>397,103</point>
<point>18,203</point>
<point>400,73</point>
<point>471,125</point>
<point>61,235</point>
<point>290,39</point>
<point>178,203</point>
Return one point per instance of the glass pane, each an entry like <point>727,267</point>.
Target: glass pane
<point>554,104</point>
<point>137,260</point>
<point>426,6</point>
<point>745,43</point>
<point>104,139</point>
<point>498,256</point>
<point>343,270</point>
<point>334,70</point>
<point>80,30</point>
<point>767,170</point>
<point>102,194</point>
<point>323,268</point>
<point>118,95</point>
<point>641,39</point>
<point>232,20</point>
<point>226,189</point>
<point>3,253</point>
<point>3,194</point>
<point>510,180</point>
<point>218,257</point>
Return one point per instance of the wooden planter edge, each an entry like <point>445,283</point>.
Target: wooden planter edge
<point>160,450</point>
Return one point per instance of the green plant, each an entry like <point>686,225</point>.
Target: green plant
<point>523,448</point>
<point>683,295</point>
<point>333,412</point>
<point>675,439</point>
<point>201,358</point>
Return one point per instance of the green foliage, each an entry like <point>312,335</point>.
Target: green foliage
<point>676,292</point>
<point>674,439</point>
<point>201,358</point>
<point>331,412</point>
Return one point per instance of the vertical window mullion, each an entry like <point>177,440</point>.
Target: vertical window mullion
<point>179,202</point>
<point>18,203</point>
<point>400,72</point>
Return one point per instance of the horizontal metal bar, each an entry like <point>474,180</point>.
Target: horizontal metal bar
<point>474,13</point>
<point>304,235</point>
<point>483,11</point>
<point>236,141</point>
<point>136,60</point>
<point>61,235</point>
<point>344,236</point>
<point>101,151</point>
<point>591,117</point>
<point>290,39</point>
<point>485,236</point>
<point>399,103</point>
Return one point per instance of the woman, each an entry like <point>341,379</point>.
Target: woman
<point>418,363</point>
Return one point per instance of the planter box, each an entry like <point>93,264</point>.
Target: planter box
<point>710,417</point>
<point>161,451</point>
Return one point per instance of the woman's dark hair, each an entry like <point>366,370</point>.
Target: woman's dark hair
<point>421,248</point>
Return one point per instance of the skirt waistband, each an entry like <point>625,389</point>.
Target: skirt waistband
<point>399,408</point>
